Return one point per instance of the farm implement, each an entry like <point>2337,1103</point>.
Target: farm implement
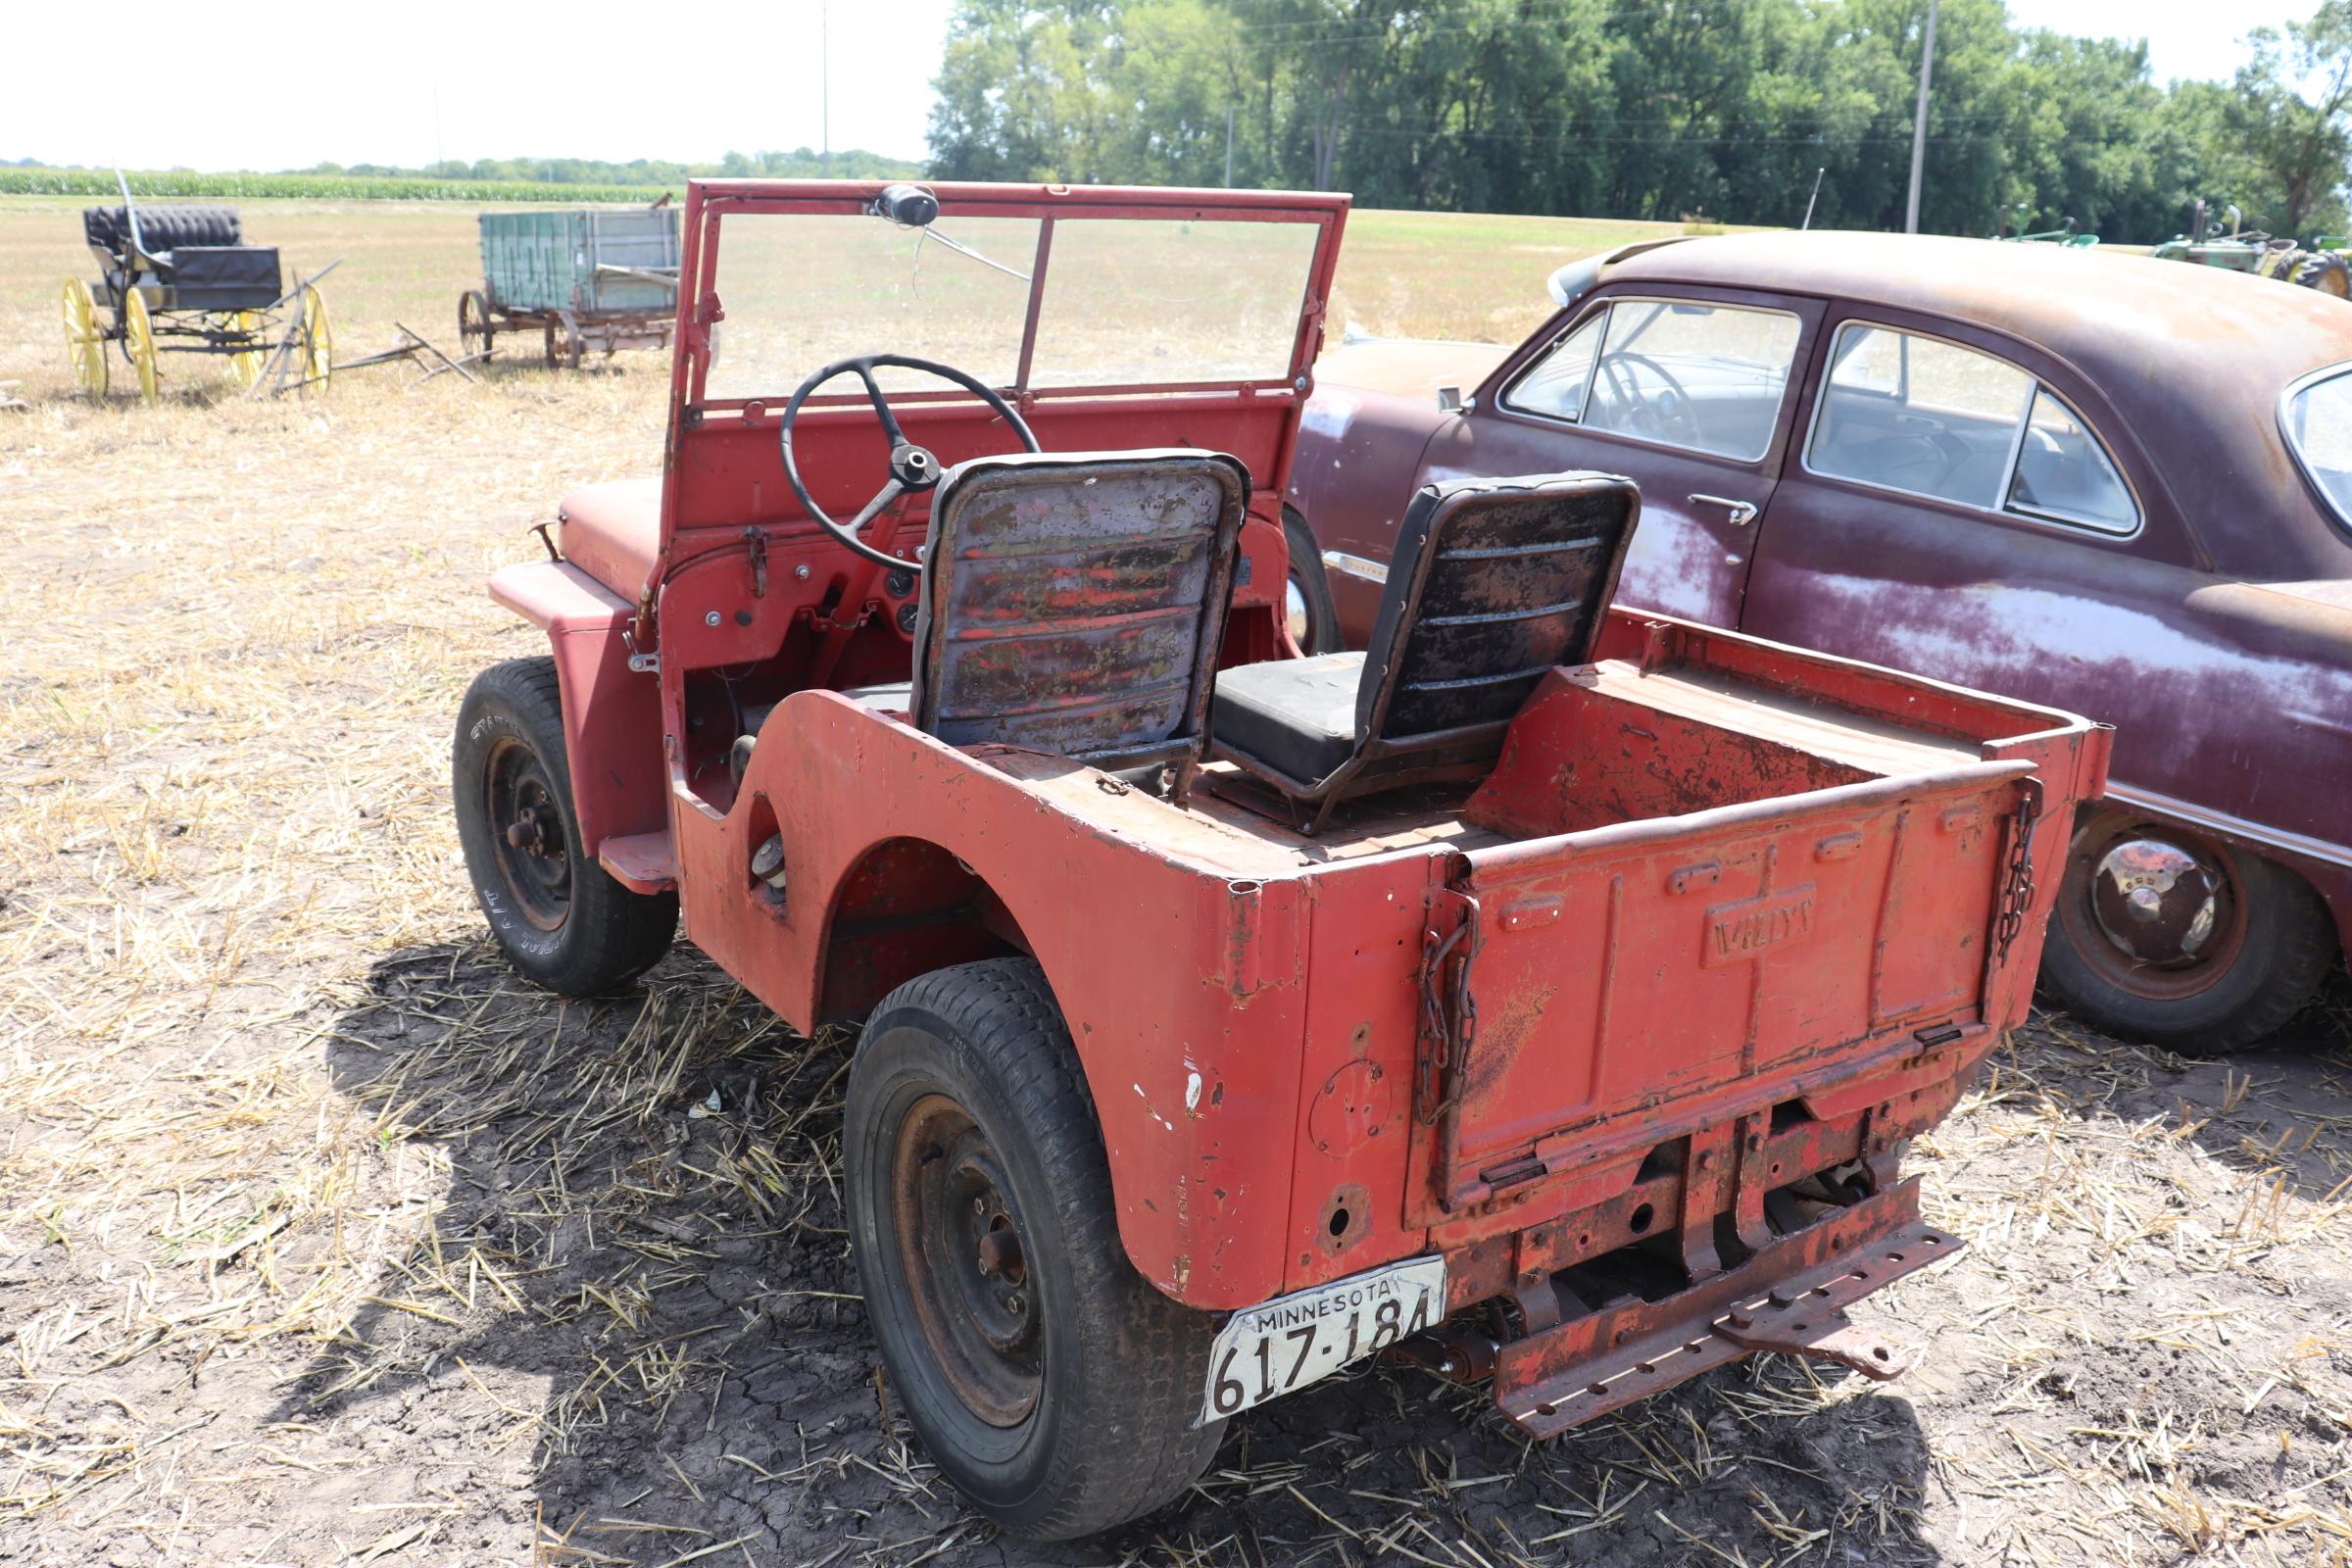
<point>180,279</point>
<point>2227,243</point>
<point>1546,995</point>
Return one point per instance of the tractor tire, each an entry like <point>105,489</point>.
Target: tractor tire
<point>1046,1378</point>
<point>1307,607</point>
<point>2271,947</point>
<point>2325,272</point>
<point>559,917</point>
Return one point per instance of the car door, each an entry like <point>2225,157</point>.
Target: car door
<point>1684,390</point>
<point>1954,507</point>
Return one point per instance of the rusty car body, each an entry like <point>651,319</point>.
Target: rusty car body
<point>1573,1040</point>
<point>1872,414</point>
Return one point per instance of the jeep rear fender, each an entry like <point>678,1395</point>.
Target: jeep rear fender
<point>612,716</point>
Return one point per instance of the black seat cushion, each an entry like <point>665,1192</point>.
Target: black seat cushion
<point>1297,714</point>
<point>889,697</point>
<point>163,228</point>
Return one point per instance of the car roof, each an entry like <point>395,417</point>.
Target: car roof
<point>2192,358</point>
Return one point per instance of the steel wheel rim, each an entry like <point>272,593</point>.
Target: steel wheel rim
<point>967,1277</point>
<point>85,345</point>
<point>2113,901</point>
<point>528,837</point>
<point>1295,617</point>
<point>138,341</point>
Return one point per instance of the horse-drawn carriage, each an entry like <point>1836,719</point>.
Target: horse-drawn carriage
<point>180,279</point>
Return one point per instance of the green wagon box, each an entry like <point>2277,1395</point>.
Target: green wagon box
<point>585,277</point>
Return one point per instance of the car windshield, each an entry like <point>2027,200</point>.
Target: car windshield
<point>1124,303</point>
<point>2317,415</point>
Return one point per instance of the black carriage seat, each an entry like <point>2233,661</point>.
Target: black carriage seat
<point>1493,582</point>
<point>198,253</point>
<point>1075,603</point>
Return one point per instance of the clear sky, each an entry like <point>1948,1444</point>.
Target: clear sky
<point>282,85</point>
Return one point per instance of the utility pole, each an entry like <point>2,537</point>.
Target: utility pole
<point>1229,146</point>
<point>824,80</point>
<point>1919,125</point>
<point>1816,196</point>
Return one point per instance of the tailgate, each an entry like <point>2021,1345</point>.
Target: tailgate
<point>1651,980</point>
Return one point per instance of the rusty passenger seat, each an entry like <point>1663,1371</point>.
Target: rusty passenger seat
<point>1493,581</point>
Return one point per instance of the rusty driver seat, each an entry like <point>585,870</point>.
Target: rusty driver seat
<point>1074,603</point>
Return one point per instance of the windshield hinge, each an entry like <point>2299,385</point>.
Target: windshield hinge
<point>755,541</point>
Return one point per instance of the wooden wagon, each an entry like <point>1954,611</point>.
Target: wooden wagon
<point>582,278</point>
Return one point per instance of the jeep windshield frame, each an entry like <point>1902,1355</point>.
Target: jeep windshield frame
<point>1057,320</point>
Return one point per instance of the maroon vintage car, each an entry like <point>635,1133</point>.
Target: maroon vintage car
<point>2077,479</point>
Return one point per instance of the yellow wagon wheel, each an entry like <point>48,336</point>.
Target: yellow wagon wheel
<point>138,341</point>
<point>85,344</point>
<point>245,366</point>
<point>318,342</point>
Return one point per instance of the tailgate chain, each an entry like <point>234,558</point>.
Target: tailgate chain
<point>1448,1013</point>
<point>2017,895</point>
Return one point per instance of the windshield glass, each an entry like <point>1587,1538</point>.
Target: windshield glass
<point>803,290</point>
<point>1154,300</point>
<point>1125,301</point>
<point>2317,415</point>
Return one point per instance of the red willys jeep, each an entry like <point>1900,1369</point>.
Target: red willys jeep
<point>1546,995</point>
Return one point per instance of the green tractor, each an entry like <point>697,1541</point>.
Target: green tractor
<point>2228,244</point>
<point>2068,233</point>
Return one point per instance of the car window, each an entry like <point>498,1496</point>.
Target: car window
<point>1555,385</point>
<point>1702,377</point>
<point>2319,431</point>
<point>1915,414</point>
<point>2062,472</point>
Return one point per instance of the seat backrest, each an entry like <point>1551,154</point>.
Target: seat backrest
<point>164,228</point>
<point>1491,583</point>
<point>1075,603</point>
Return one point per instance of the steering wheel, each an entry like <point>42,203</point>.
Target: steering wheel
<point>911,467</point>
<point>1663,414</point>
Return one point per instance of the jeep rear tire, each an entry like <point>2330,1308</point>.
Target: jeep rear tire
<point>559,917</point>
<point>1049,1382</point>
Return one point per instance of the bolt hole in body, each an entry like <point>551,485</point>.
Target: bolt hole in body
<point>1639,1220</point>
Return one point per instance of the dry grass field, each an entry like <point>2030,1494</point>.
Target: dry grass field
<point>322,1240</point>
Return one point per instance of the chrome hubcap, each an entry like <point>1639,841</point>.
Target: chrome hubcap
<point>2157,901</point>
<point>1293,612</point>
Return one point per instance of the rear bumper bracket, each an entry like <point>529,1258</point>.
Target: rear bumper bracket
<point>1789,1296</point>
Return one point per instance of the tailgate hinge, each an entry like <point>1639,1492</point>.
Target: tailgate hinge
<point>2017,891</point>
<point>1448,1009</point>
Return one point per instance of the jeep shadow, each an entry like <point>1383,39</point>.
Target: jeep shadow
<point>638,1267</point>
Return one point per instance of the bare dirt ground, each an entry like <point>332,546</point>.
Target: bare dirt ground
<point>324,1240</point>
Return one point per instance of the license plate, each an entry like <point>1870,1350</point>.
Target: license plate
<point>1263,1353</point>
